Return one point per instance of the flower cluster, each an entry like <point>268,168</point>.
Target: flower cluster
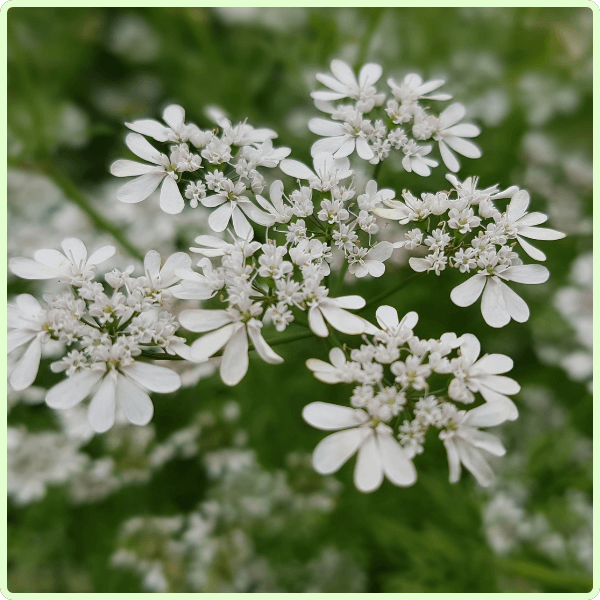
<point>469,233</point>
<point>393,404</point>
<point>362,123</point>
<point>107,336</point>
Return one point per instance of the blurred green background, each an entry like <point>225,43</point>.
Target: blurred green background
<point>216,494</point>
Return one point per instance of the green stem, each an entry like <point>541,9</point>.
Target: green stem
<point>392,290</point>
<point>339,282</point>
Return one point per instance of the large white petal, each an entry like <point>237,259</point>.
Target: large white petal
<point>72,390</point>
<point>141,147</point>
<point>500,383</point>
<point>326,127</point>
<point>179,260</point>
<point>342,320</point>
<point>387,317</point>
<point>368,473</point>
<point>495,364</point>
<point>516,306</point>
<point>51,258</point>
<point>17,337</point>
<point>474,462</point>
<point>134,402</point>
<point>151,128</point>
<point>204,347</point>
<point>532,219</point>
<point>219,218</point>
<point>467,293</point>
<point>352,302</point>
<point>235,357</point>
<point>330,417</point>
<point>470,347</point>
<point>29,305</point>
<point>363,149</point>
<point>488,415</point>
<point>333,84</point>
<point>100,255</point>
<point>531,274</point>
<point>296,169</point>
<point>201,320</point>
<point>316,322</point>
<point>448,157</point>
<point>241,225</point>
<point>381,251</point>
<point>462,146</point>
<point>257,215</point>
<point>518,205</point>
<point>328,145</point>
<point>464,130</point>
<point>453,460</point>
<point>504,403</point>
<point>397,467</point>
<point>174,115</point>
<point>325,96</point>
<point>342,71</point>
<point>334,450</point>
<point>541,233</point>
<point>260,345</point>
<point>130,168</point>
<point>140,188</point>
<point>75,250</point>
<point>486,441</point>
<point>493,307</point>
<point>171,200</point>
<point>374,268</point>
<point>345,144</point>
<point>152,262</point>
<point>26,369</point>
<point>31,269</point>
<point>101,411</point>
<point>154,378</point>
<point>369,74</point>
<point>531,250</point>
<point>451,115</point>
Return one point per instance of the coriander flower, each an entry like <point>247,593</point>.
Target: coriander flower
<point>379,453</point>
<point>412,89</point>
<point>341,139</point>
<point>175,130</point>
<point>148,177</point>
<point>339,370</point>
<point>73,267</point>
<point>281,212</point>
<point>120,384</point>
<point>329,171</point>
<point>499,303</point>
<point>363,262</point>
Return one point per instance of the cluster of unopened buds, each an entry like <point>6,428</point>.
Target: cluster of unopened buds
<point>404,385</point>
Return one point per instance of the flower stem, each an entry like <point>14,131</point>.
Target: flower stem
<point>392,290</point>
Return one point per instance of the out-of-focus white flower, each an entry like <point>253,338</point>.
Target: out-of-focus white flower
<point>412,89</point>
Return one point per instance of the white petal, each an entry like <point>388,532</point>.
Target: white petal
<point>219,218</point>
<point>141,147</point>
<point>501,384</point>
<point>316,322</point>
<point>130,168</point>
<point>495,364</point>
<point>448,157</point>
<point>368,473</point>
<point>453,460</point>
<point>419,265</point>
<point>177,261</point>
<point>369,74</point>
<point>470,347</point>
<point>51,258</point>
<point>152,265</point>
<point>72,390</point>
<point>486,441</point>
<point>493,307</point>
<point>134,402</point>
<point>474,462</point>
<point>102,254</point>
<point>531,274</point>
<point>26,369</point>
<point>502,403</point>
<point>174,115</point>
<point>397,467</point>
<point>467,293</point>
<point>345,145</point>
<point>333,84</point>
<point>344,73</point>
<point>363,149</point>
<point>264,350</point>
<point>201,320</point>
<point>381,251</point>
<point>327,96</point>
<point>151,128</point>
<point>351,302</point>
<point>326,128</point>
<point>31,269</point>
<point>296,169</point>
<point>204,347</point>
<point>464,130</point>
<point>409,320</point>
<point>101,411</point>
<point>541,233</point>
<point>488,415</point>
<point>387,317</point>
<point>75,250</point>
<point>171,200</point>
<point>532,219</point>
<point>154,378</point>
<point>342,320</point>
<point>140,188</point>
<point>334,450</point>
<point>464,147</point>
<point>515,305</point>
<point>241,225</point>
<point>518,205</point>
<point>329,417</point>
<point>531,250</point>
<point>328,145</point>
<point>235,358</point>
<point>451,115</point>
<point>257,215</point>
<point>375,268</point>
<point>18,337</point>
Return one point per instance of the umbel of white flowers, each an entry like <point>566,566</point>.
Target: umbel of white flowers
<point>112,339</point>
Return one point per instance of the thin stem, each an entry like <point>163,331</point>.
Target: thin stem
<point>392,290</point>
<point>339,282</point>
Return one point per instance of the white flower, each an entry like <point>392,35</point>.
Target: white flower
<point>234,206</point>
<point>73,267</point>
<point>162,169</point>
<point>171,272</point>
<point>230,328</point>
<point>329,171</point>
<point>281,212</point>
<point>341,139</point>
<point>464,442</point>
<point>26,325</point>
<point>175,131</point>
<point>373,197</point>
<point>338,371</point>
<point>414,159</point>
<point>483,376</point>
<point>499,303</point>
<point>450,135</point>
<point>379,453</point>
<point>522,224</point>
<point>265,155</point>
<point>412,89</point>
<point>124,386</point>
<point>343,84</point>
<point>333,311</point>
<point>371,263</point>
<point>394,330</point>
<point>215,246</point>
